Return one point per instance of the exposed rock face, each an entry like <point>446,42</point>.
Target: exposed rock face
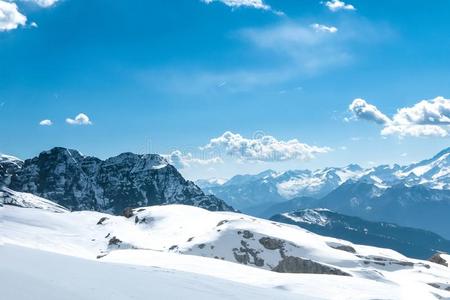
<point>437,258</point>
<point>271,243</point>
<point>342,247</point>
<point>87,183</point>
<point>292,264</point>
<point>8,166</point>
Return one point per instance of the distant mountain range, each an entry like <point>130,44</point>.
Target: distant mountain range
<point>411,242</point>
<point>416,195</point>
<point>81,182</point>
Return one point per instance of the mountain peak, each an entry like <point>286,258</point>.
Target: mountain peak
<point>80,182</point>
<point>442,153</point>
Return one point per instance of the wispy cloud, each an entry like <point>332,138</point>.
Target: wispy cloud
<point>80,119</point>
<point>324,28</point>
<point>256,4</point>
<point>42,3</point>
<point>310,47</point>
<point>425,118</point>
<point>10,17</point>
<point>336,5</point>
<point>263,148</point>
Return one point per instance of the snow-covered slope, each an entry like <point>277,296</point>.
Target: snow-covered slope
<point>10,197</point>
<point>411,242</point>
<point>219,245</point>
<point>71,278</point>
<point>81,182</point>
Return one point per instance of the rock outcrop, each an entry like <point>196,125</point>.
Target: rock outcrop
<point>81,182</point>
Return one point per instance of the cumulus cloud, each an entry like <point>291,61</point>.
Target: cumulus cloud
<point>46,122</point>
<point>10,17</point>
<point>80,119</point>
<point>181,160</point>
<point>365,111</point>
<point>336,5</point>
<point>425,118</point>
<point>426,112</point>
<point>324,28</point>
<point>264,148</point>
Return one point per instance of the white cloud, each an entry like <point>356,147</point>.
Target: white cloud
<point>42,3</point>
<point>324,28</point>
<point>80,119</point>
<point>181,160</point>
<point>10,17</point>
<point>424,119</point>
<point>335,5</point>
<point>46,122</point>
<point>307,47</point>
<point>426,112</point>
<point>258,4</point>
<point>415,130</point>
<point>365,111</point>
<point>45,3</point>
<point>265,148</point>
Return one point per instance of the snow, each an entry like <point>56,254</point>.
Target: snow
<point>10,159</point>
<point>70,278</point>
<point>310,216</point>
<point>11,197</point>
<point>64,248</point>
<point>157,167</point>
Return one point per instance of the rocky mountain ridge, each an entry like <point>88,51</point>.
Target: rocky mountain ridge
<point>410,242</point>
<point>81,182</point>
<point>250,193</point>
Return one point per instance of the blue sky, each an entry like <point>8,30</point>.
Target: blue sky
<point>172,77</point>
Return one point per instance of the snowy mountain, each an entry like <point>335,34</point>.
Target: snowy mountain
<point>8,166</point>
<point>413,206</point>
<point>202,254</point>
<point>87,183</point>
<point>26,200</point>
<point>411,242</point>
<point>251,193</point>
<point>416,195</point>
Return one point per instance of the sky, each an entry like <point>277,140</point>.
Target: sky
<point>225,87</point>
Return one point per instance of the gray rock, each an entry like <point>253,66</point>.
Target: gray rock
<point>128,212</point>
<point>81,182</point>
<point>271,243</point>
<point>247,234</point>
<point>345,248</point>
<point>114,241</point>
<point>247,256</point>
<point>437,258</point>
<point>291,264</point>
<point>102,219</point>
